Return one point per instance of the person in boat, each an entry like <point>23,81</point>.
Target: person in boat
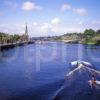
<point>93,81</point>
<point>80,64</point>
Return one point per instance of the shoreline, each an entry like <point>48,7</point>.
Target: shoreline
<point>12,45</point>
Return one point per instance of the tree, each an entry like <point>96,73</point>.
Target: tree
<point>89,32</point>
<point>6,38</point>
<point>98,32</point>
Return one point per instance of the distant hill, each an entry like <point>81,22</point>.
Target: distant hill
<point>89,36</point>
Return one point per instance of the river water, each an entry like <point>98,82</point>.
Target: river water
<point>37,71</point>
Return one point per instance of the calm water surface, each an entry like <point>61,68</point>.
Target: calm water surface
<point>37,71</point>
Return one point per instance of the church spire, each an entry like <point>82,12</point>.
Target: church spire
<point>26,33</point>
<point>26,30</point>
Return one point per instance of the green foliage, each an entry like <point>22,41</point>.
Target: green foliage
<point>89,32</point>
<point>98,32</point>
<point>91,37</point>
<point>5,38</point>
<point>88,37</point>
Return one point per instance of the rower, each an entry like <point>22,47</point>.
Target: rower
<point>93,81</point>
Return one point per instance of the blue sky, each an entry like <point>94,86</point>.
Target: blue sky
<point>49,17</point>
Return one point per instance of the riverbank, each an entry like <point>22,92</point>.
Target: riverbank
<point>12,45</point>
<point>89,36</point>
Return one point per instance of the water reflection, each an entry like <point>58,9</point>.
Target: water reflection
<point>34,67</point>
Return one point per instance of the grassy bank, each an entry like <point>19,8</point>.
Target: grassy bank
<point>89,36</point>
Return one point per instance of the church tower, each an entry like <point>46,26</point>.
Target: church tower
<point>26,33</point>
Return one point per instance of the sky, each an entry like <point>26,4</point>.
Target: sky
<point>48,17</point>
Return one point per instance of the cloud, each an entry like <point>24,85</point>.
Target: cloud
<point>47,28</point>
<point>65,7</point>
<point>15,28</point>
<point>28,6</point>
<point>80,11</point>
<point>41,29</point>
<point>56,21</point>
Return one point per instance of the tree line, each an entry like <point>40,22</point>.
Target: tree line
<point>89,36</point>
<point>6,38</point>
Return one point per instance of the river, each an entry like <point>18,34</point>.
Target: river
<point>37,71</point>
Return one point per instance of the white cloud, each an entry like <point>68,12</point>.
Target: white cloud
<point>40,29</point>
<point>80,11</point>
<point>47,28</point>
<point>81,22</point>
<point>28,6</point>
<point>65,7</point>
<point>62,29</point>
<point>56,21</point>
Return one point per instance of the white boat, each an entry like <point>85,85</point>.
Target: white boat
<point>78,62</point>
<point>96,85</point>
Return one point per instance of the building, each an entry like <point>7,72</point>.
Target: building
<point>25,36</point>
<point>26,33</point>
